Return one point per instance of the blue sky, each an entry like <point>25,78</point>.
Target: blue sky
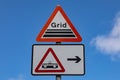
<point>97,21</point>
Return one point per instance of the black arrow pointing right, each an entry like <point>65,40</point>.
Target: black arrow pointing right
<point>77,59</point>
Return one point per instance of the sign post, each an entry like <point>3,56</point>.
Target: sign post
<point>58,59</point>
<point>58,77</point>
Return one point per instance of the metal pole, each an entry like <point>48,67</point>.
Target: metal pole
<point>58,77</point>
<point>58,43</point>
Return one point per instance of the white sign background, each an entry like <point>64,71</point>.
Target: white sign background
<point>63,52</point>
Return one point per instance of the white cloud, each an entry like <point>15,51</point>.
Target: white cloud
<point>20,77</point>
<point>110,43</point>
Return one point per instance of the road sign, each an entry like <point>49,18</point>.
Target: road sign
<point>49,63</point>
<point>58,28</point>
<point>64,59</point>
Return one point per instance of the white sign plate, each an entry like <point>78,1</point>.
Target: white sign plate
<point>64,59</point>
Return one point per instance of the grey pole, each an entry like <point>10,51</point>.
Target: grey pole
<point>58,77</point>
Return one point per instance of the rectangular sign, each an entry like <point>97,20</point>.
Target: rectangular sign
<point>63,59</point>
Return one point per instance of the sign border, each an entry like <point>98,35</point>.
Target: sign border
<point>58,74</point>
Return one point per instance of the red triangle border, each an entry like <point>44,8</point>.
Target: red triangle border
<point>40,39</point>
<point>37,70</point>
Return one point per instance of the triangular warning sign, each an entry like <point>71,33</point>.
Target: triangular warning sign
<point>53,66</point>
<point>58,28</point>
